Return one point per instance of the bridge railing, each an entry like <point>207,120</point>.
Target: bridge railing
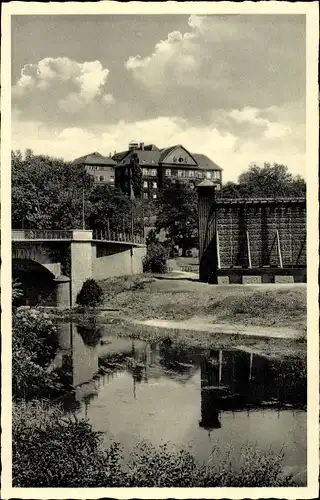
<point>55,234</point>
<point>41,234</point>
<point>101,235</point>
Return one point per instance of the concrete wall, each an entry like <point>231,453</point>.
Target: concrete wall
<point>125,262</point>
<point>81,266</point>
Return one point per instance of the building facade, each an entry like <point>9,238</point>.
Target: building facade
<point>157,165</point>
<point>100,167</point>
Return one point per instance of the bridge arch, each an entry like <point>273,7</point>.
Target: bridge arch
<point>37,282</point>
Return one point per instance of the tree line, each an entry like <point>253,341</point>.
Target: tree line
<point>49,193</point>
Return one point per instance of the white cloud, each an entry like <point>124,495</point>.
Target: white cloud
<point>227,61</point>
<point>60,85</point>
<point>233,155</point>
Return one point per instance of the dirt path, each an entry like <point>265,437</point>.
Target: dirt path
<point>201,324</point>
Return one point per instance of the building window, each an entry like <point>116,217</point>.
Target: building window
<point>168,172</point>
<point>154,196</point>
<point>199,174</point>
<point>111,179</point>
<point>154,185</point>
<point>181,173</point>
<point>216,174</point>
<point>153,172</point>
<point>145,171</point>
<point>145,195</point>
<point>145,184</point>
<point>208,175</point>
<point>191,173</point>
<point>101,178</point>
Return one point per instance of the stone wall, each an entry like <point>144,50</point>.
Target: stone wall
<point>240,237</point>
<point>258,224</point>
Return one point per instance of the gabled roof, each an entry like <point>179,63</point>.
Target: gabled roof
<point>205,162</point>
<point>94,159</point>
<point>152,156</point>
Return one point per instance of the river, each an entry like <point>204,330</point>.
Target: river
<point>203,399</point>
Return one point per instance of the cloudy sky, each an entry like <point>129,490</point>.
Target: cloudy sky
<point>232,87</point>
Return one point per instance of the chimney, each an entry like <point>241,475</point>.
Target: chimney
<point>142,146</point>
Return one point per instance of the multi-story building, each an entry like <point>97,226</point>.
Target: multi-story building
<point>101,167</point>
<point>174,162</point>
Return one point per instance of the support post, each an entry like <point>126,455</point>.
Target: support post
<point>63,291</point>
<point>279,248</point>
<point>218,250</point>
<point>249,250</point>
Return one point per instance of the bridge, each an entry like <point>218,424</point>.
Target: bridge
<point>52,265</point>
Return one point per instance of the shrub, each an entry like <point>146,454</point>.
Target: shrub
<point>51,450</point>
<point>34,346</point>
<point>90,294</point>
<point>156,259</point>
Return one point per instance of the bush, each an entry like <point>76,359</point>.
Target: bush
<point>156,259</point>
<point>90,294</point>
<point>50,450</point>
<point>34,346</point>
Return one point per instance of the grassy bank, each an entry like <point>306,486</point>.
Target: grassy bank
<point>264,306</point>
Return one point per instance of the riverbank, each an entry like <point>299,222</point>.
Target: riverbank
<point>267,319</point>
<point>271,306</point>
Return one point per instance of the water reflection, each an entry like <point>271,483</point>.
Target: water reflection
<point>130,390</point>
<point>229,379</point>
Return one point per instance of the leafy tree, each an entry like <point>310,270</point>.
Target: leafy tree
<point>152,237</point>
<point>267,181</point>
<point>136,175</point>
<point>109,208</point>
<point>47,192</point>
<point>178,214</point>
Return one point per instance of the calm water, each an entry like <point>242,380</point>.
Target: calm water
<point>194,398</point>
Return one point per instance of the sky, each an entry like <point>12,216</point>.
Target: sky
<point>231,87</point>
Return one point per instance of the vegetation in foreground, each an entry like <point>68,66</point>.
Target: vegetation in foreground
<point>50,450</point>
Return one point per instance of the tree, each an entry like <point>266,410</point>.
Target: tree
<point>109,209</point>
<point>136,175</point>
<point>267,181</point>
<point>47,192</point>
<point>178,214</point>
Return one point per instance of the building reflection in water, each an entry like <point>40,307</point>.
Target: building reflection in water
<point>237,380</point>
<point>230,380</point>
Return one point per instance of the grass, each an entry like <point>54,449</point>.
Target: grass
<point>165,299</point>
<point>286,308</point>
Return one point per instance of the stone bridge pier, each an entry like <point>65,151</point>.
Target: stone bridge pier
<point>55,264</point>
